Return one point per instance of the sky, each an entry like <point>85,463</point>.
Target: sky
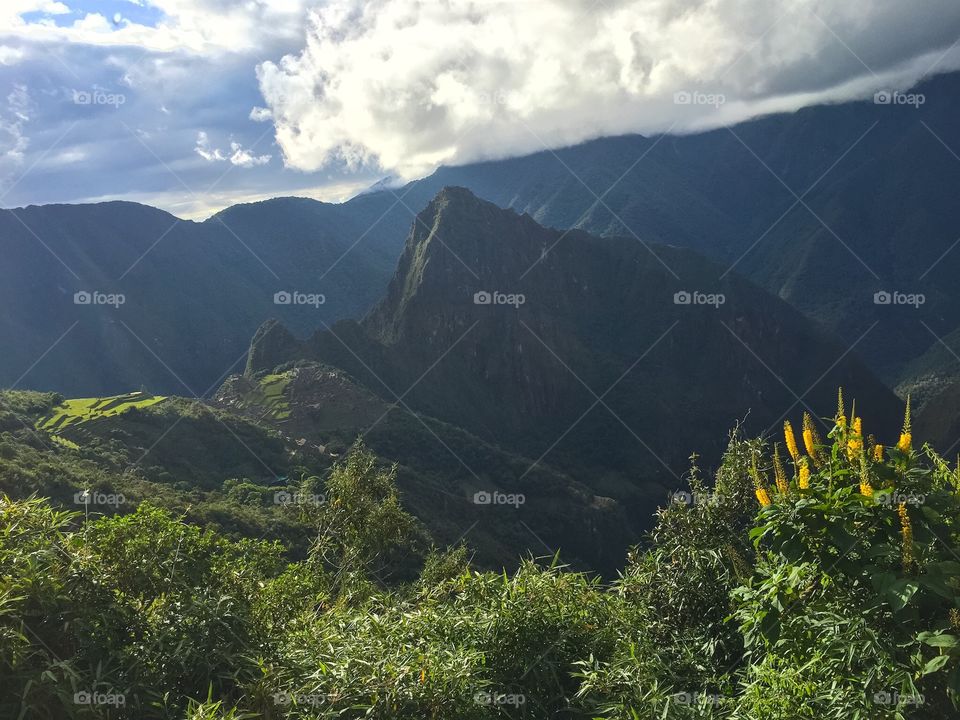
<point>195,105</point>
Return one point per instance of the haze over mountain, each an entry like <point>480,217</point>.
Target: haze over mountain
<point>193,293</point>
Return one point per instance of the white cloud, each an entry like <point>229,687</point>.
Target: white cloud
<point>237,156</point>
<point>203,148</point>
<point>261,114</point>
<point>404,85</point>
<point>13,140</point>
<point>195,26</point>
<point>10,55</point>
<point>243,158</point>
<point>11,10</point>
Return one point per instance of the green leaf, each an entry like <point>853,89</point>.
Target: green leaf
<point>938,640</point>
<point>899,594</point>
<point>935,664</point>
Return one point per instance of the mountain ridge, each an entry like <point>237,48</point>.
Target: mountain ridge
<point>597,313</point>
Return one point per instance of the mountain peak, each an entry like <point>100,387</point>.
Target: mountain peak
<point>458,245</point>
<point>451,206</point>
<point>272,345</point>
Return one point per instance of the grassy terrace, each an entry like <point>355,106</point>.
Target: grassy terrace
<point>76,411</point>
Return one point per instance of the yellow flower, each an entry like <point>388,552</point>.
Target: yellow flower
<point>791,440</point>
<point>810,438</point>
<point>855,440</point>
<point>906,437</point>
<point>778,473</point>
<point>878,453</point>
<point>841,410</point>
<point>866,489</point>
<point>804,481</point>
<point>763,497</point>
<point>906,532</point>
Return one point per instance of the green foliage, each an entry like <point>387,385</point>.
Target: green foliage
<point>362,530</point>
<point>838,597</point>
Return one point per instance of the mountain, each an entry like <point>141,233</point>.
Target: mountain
<point>824,208</point>
<point>179,299</point>
<point>933,372</point>
<point>582,351</point>
<point>938,421</point>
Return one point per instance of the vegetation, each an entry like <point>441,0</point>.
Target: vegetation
<point>80,410</point>
<point>813,578</point>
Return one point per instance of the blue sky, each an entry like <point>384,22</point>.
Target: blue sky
<point>115,10</point>
<point>192,105</point>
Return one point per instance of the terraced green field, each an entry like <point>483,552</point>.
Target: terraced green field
<point>271,394</point>
<point>76,411</point>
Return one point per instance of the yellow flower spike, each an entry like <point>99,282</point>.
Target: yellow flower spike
<point>791,441</point>
<point>811,439</point>
<point>763,497</point>
<point>906,532</point>
<point>781,477</point>
<point>878,453</point>
<point>866,489</point>
<point>804,481</point>
<point>855,440</point>
<point>906,437</point>
<point>841,410</point>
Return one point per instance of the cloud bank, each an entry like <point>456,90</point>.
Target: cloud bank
<point>403,86</point>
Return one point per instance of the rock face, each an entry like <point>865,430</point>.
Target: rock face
<point>272,345</point>
<point>938,421</point>
<point>611,357</point>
